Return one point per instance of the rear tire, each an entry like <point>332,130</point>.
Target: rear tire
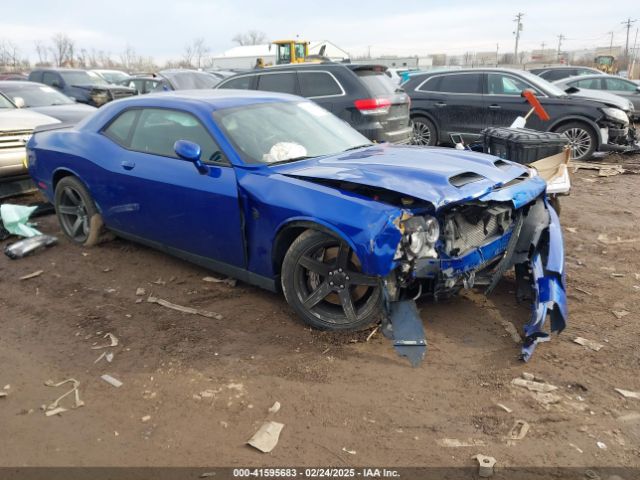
<point>77,213</point>
<point>583,140</point>
<point>424,131</point>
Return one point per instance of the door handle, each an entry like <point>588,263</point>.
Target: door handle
<point>127,164</point>
<point>494,107</point>
<point>440,104</point>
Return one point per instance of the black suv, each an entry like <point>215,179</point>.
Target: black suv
<point>80,85</point>
<point>464,102</point>
<point>361,95</point>
<point>551,74</point>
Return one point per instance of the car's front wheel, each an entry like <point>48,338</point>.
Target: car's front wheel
<point>77,213</point>
<point>323,281</point>
<point>583,139</point>
<point>424,131</point>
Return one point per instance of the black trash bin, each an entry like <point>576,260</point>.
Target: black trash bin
<point>522,145</point>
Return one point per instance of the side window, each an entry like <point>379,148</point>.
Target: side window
<point>240,83</point>
<point>278,82</point>
<point>505,85</point>
<point>553,75</point>
<point>158,129</point>
<point>431,85</point>
<point>590,83</point>
<point>470,83</point>
<point>318,84</point>
<point>49,78</point>
<point>119,130</point>
<point>620,85</point>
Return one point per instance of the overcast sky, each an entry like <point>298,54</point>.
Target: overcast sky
<point>161,28</point>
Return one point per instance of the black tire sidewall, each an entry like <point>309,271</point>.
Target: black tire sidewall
<point>303,243</point>
<point>90,205</point>
<point>433,139</point>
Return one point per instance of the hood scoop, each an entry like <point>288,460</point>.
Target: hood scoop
<point>465,178</point>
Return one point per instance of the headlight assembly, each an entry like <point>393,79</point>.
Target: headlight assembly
<point>100,98</point>
<point>616,114</point>
<point>420,236</point>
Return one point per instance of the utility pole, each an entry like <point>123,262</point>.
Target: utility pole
<point>518,21</point>
<point>561,37</point>
<point>497,54</point>
<point>369,55</point>
<point>628,23</point>
<point>611,44</point>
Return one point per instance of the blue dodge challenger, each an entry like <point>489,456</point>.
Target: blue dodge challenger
<point>277,192</point>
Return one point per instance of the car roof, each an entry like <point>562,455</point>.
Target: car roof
<point>467,70</point>
<point>26,83</point>
<point>213,98</point>
<point>61,69</point>
<point>586,77</point>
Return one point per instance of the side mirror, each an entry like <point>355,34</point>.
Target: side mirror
<point>19,101</point>
<point>638,89</point>
<point>572,90</point>
<point>190,152</point>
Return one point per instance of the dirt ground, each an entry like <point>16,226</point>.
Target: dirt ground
<point>345,401</point>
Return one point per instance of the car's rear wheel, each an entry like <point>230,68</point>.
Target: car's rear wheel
<point>77,213</point>
<point>323,281</point>
<point>424,131</point>
<point>583,139</point>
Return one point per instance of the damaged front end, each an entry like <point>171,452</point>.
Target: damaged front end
<point>473,244</point>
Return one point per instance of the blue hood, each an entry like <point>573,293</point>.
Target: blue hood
<point>420,172</point>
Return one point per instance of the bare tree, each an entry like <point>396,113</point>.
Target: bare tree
<point>9,54</point>
<point>43,53</point>
<point>187,56</point>
<point>128,58</point>
<point>252,37</point>
<point>200,52</point>
<point>63,50</point>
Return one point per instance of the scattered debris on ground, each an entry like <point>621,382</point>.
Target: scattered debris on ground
<point>456,443</point>
<point>274,408</point>
<point>227,281</point>
<point>628,393</point>
<point>350,452</point>
<point>533,386</point>
<point>267,436</point>
<point>25,247</point>
<point>180,308</point>
<point>112,381</point>
<point>113,342</point>
<point>485,465</point>
<point>54,408</point>
<point>35,274</point>
<point>588,343</point>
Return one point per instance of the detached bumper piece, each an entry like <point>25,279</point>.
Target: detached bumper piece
<point>404,326</point>
<point>545,284</point>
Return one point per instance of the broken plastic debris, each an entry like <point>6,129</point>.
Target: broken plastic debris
<point>620,314</point>
<point>533,386</point>
<point>229,281</point>
<point>108,356</point>
<point>603,238</point>
<point>3,394</point>
<point>588,343</point>
<point>350,452</point>
<point>275,407</point>
<point>528,376</point>
<point>266,438</point>
<point>112,381</point>
<point>14,218</point>
<point>146,418</point>
<point>455,443</point>
<point>113,342</point>
<point>24,247</point>
<point>140,291</point>
<point>180,308</point>
<point>576,447</point>
<point>54,408</point>
<point>628,393</point>
<point>35,274</point>
<point>519,430</point>
<point>485,465</point>
<point>504,407</point>
<point>601,445</point>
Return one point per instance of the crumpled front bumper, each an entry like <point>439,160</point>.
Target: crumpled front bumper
<point>533,246</point>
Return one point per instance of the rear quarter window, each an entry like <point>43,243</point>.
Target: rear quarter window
<point>469,83</point>
<point>318,84</point>
<point>278,82</point>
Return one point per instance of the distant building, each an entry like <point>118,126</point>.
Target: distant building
<point>544,56</point>
<point>615,50</point>
<point>245,56</point>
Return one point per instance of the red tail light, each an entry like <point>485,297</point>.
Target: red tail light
<point>373,106</point>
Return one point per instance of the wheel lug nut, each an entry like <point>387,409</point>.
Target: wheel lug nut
<point>347,277</point>
<point>331,283</point>
<point>330,274</point>
<point>340,270</point>
<point>341,286</point>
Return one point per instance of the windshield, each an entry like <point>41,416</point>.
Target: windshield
<point>285,131</point>
<point>190,80</point>
<point>4,103</point>
<point>542,84</point>
<point>35,95</point>
<point>82,78</point>
<point>113,77</point>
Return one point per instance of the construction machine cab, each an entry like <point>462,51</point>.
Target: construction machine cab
<point>606,63</point>
<point>291,51</point>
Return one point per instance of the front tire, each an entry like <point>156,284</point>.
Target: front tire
<point>424,131</point>
<point>323,283</point>
<point>583,140</point>
<point>77,213</point>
